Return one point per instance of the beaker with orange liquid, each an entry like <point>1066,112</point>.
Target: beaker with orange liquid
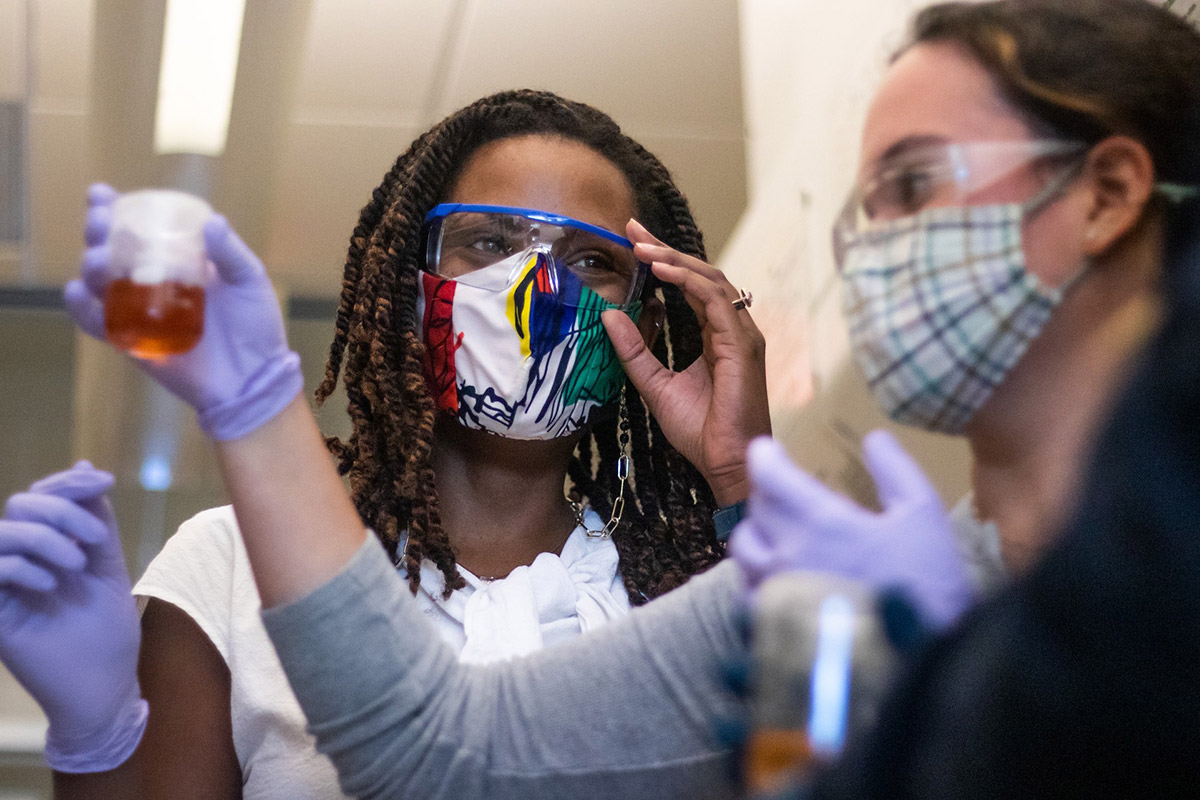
<point>154,300</point>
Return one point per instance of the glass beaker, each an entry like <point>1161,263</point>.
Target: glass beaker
<point>154,300</point>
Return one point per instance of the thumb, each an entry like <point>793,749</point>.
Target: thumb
<point>233,258</point>
<point>898,478</point>
<point>648,375</point>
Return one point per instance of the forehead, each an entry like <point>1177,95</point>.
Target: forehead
<point>937,91</point>
<point>549,174</point>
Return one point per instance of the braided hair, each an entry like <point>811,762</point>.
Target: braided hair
<point>666,534</point>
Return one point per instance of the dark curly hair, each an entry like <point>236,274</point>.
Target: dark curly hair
<point>666,534</point>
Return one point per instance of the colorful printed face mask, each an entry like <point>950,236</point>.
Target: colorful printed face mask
<point>940,308</point>
<point>516,346</point>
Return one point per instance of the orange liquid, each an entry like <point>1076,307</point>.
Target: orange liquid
<point>775,759</point>
<point>153,320</point>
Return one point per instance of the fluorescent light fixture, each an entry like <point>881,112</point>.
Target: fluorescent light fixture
<point>201,40</point>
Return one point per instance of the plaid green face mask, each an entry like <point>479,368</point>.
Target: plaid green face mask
<point>940,308</point>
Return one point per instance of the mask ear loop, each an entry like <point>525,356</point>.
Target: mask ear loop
<point>618,509</point>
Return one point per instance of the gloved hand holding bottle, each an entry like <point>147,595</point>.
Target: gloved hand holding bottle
<point>241,373</point>
<point>69,627</point>
<point>797,523</point>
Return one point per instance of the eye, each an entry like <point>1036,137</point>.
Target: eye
<point>913,189</point>
<point>591,263</point>
<point>900,192</point>
<point>492,245</point>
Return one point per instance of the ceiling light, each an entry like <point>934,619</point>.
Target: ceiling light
<point>201,39</point>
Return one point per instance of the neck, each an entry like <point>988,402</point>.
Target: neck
<point>501,500</point>
<point>1032,439</point>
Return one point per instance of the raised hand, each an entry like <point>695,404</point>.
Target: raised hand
<point>797,523</point>
<point>713,409</point>
<point>69,628</point>
<point>241,373</point>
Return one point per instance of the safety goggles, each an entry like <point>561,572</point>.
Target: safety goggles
<point>936,174</point>
<point>461,240</point>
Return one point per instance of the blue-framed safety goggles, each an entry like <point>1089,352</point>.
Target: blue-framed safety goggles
<point>461,239</point>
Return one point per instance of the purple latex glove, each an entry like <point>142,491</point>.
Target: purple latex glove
<point>241,373</point>
<point>797,523</point>
<point>69,628</point>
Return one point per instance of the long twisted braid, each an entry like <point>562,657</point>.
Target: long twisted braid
<point>666,534</point>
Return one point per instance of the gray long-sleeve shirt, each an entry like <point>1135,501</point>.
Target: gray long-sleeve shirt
<point>625,712</point>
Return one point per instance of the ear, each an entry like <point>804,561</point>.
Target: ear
<point>1120,175</point>
<point>650,322</point>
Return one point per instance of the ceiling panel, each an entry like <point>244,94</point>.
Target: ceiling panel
<point>671,66</point>
<point>369,61</point>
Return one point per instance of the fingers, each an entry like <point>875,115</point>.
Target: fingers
<point>706,298</point>
<point>637,232</point>
<point>101,194</point>
<point>649,376</point>
<point>233,258</point>
<point>93,269</point>
<point>649,249</point>
<point>41,527</point>
<point>19,572</point>
<point>83,297</point>
<point>85,308</point>
<point>45,544</point>
<point>97,225</point>
<point>56,513</point>
<point>898,478</point>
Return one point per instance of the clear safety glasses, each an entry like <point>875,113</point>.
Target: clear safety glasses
<point>461,240</point>
<point>934,174</point>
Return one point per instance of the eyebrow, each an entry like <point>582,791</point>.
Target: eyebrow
<point>906,144</point>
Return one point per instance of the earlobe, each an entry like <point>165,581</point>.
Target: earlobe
<point>651,321</point>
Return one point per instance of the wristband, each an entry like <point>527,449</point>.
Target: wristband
<point>726,518</point>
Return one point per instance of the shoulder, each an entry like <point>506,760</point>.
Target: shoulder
<point>203,571</point>
<point>208,544</point>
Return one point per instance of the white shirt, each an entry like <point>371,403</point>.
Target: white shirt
<point>979,546</point>
<point>204,571</point>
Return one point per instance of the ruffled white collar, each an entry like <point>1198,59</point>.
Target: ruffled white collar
<point>553,599</point>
